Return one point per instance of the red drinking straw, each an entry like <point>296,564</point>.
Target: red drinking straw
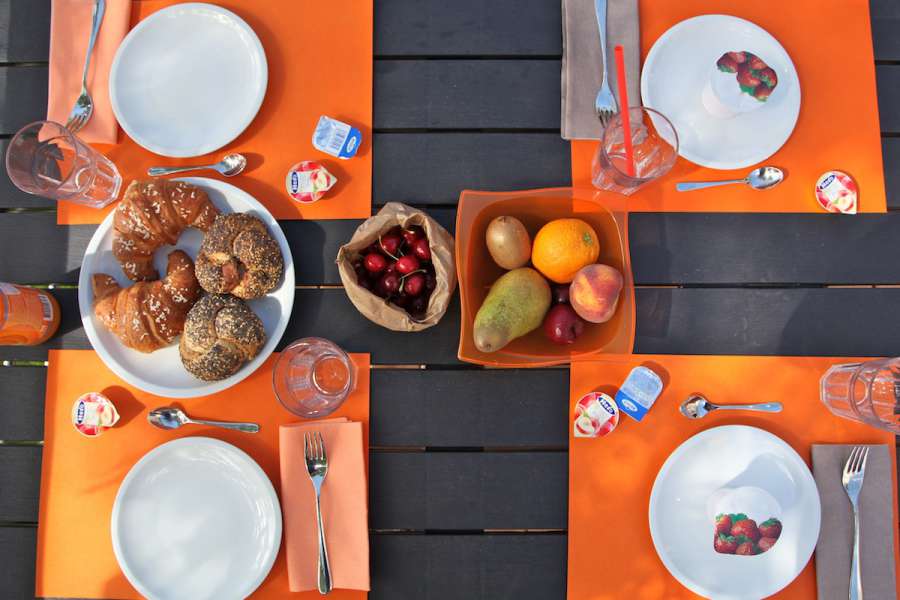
<point>623,110</point>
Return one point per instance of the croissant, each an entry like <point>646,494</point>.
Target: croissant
<point>147,315</point>
<point>240,257</point>
<point>152,213</point>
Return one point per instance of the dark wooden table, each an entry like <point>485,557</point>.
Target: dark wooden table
<point>468,466</point>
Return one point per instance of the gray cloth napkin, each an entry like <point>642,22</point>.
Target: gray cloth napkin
<point>835,545</point>
<point>582,65</point>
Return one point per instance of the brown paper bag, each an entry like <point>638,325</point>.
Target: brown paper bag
<point>379,310</point>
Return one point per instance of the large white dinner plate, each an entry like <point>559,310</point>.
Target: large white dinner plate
<point>712,472</point>
<point>161,372</point>
<point>188,79</point>
<point>195,519</point>
<point>678,67</point>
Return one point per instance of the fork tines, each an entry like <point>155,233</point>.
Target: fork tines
<point>313,446</point>
<point>856,463</point>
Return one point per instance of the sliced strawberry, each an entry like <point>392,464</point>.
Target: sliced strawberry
<point>746,549</point>
<point>726,64</point>
<point>723,524</point>
<point>746,527</point>
<point>738,57</point>
<point>770,528</point>
<point>762,92</point>
<point>725,544</point>
<point>746,78</point>
<point>756,63</point>
<point>766,543</point>
<point>768,77</point>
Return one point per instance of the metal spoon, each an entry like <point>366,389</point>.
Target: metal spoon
<point>169,417</point>
<point>229,166</point>
<point>697,407</point>
<point>759,179</point>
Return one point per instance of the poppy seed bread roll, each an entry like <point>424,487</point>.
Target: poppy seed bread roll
<point>238,256</point>
<point>221,333</point>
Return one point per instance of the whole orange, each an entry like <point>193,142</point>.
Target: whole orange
<point>562,247</point>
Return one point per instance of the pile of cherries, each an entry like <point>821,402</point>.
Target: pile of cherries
<point>398,268</point>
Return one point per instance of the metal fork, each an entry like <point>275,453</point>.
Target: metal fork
<point>605,103</point>
<point>854,472</point>
<point>317,467</point>
<point>84,105</point>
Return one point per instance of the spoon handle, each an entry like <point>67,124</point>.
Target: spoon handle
<point>246,427</point>
<point>160,171</point>
<point>771,407</point>
<point>687,186</point>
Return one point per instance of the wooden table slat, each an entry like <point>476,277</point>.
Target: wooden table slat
<point>22,403</point>
<point>783,322</point>
<point>468,490</point>
<point>20,474</point>
<point>475,567</point>
<point>18,552</point>
<point>24,30</point>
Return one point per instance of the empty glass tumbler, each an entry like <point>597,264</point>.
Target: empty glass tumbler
<point>313,377</point>
<point>654,146</point>
<point>46,159</point>
<point>867,392</point>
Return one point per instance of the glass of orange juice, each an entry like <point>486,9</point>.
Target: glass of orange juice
<point>313,377</point>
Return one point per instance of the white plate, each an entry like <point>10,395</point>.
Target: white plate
<point>196,519</point>
<point>678,67</point>
<point>699,480</point>
<point>188,79</point>
<point>161,372</point>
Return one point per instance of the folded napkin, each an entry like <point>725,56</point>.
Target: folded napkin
<point>835,545</point>
<point>344,508</point>
<point>70,28</point>
<point>582,64</point>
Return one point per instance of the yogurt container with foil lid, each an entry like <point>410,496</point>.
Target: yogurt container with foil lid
<point>307,181</point>
<point>336,138</point>
<point>93,413</point>
<point>837,192</point>
<point>641,389</point>
<point>596,414</point>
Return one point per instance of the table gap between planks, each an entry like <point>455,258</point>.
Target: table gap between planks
<point>468,466</point>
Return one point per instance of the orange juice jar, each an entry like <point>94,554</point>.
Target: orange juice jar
<point>28,317</point>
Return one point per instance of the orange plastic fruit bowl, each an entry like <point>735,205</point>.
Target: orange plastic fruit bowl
<point>607,214</point>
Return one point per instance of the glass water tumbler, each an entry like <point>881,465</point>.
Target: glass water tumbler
<point>654,147</point>
<point>46,159</point>
<point>866,392</point>
<point>313,377</point>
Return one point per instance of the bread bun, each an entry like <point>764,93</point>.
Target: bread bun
<point>221,333</point>
<point>239,257</point>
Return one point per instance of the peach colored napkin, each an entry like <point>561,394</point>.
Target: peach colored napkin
<point>70,28</point>
<point>344,507</point>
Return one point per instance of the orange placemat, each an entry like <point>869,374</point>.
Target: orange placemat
<point>320,63</point>
<point>830,43</point>
<point>610,478</point>
<point>80,476</point>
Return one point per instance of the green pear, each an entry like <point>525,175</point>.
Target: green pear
<point>515,305</point>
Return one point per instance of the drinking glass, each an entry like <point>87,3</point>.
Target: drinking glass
<point>46,159</point>
<point>867,392</point>
<point>655,148</point>
<point>313,377</point>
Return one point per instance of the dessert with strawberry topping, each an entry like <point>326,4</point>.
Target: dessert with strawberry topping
<point>740,82</point>
<point>738,534</point>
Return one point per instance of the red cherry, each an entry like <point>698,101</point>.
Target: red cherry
<point>412,234</point>
<point>418,306</point>
<point>402,300</point>
<point>375,263</point>
<point>430,282</point>
<point>561,294</point>
<point>407,264</point>
<point>390,244</point>
<point>389,284</point>
<point>421,249</point>
<point>391,268</point>
<point>414,284</point>
<point>365,284</point>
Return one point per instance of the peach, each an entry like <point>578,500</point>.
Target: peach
<point>594,292</point>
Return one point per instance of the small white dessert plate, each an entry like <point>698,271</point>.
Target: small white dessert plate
<point>188,79</point>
